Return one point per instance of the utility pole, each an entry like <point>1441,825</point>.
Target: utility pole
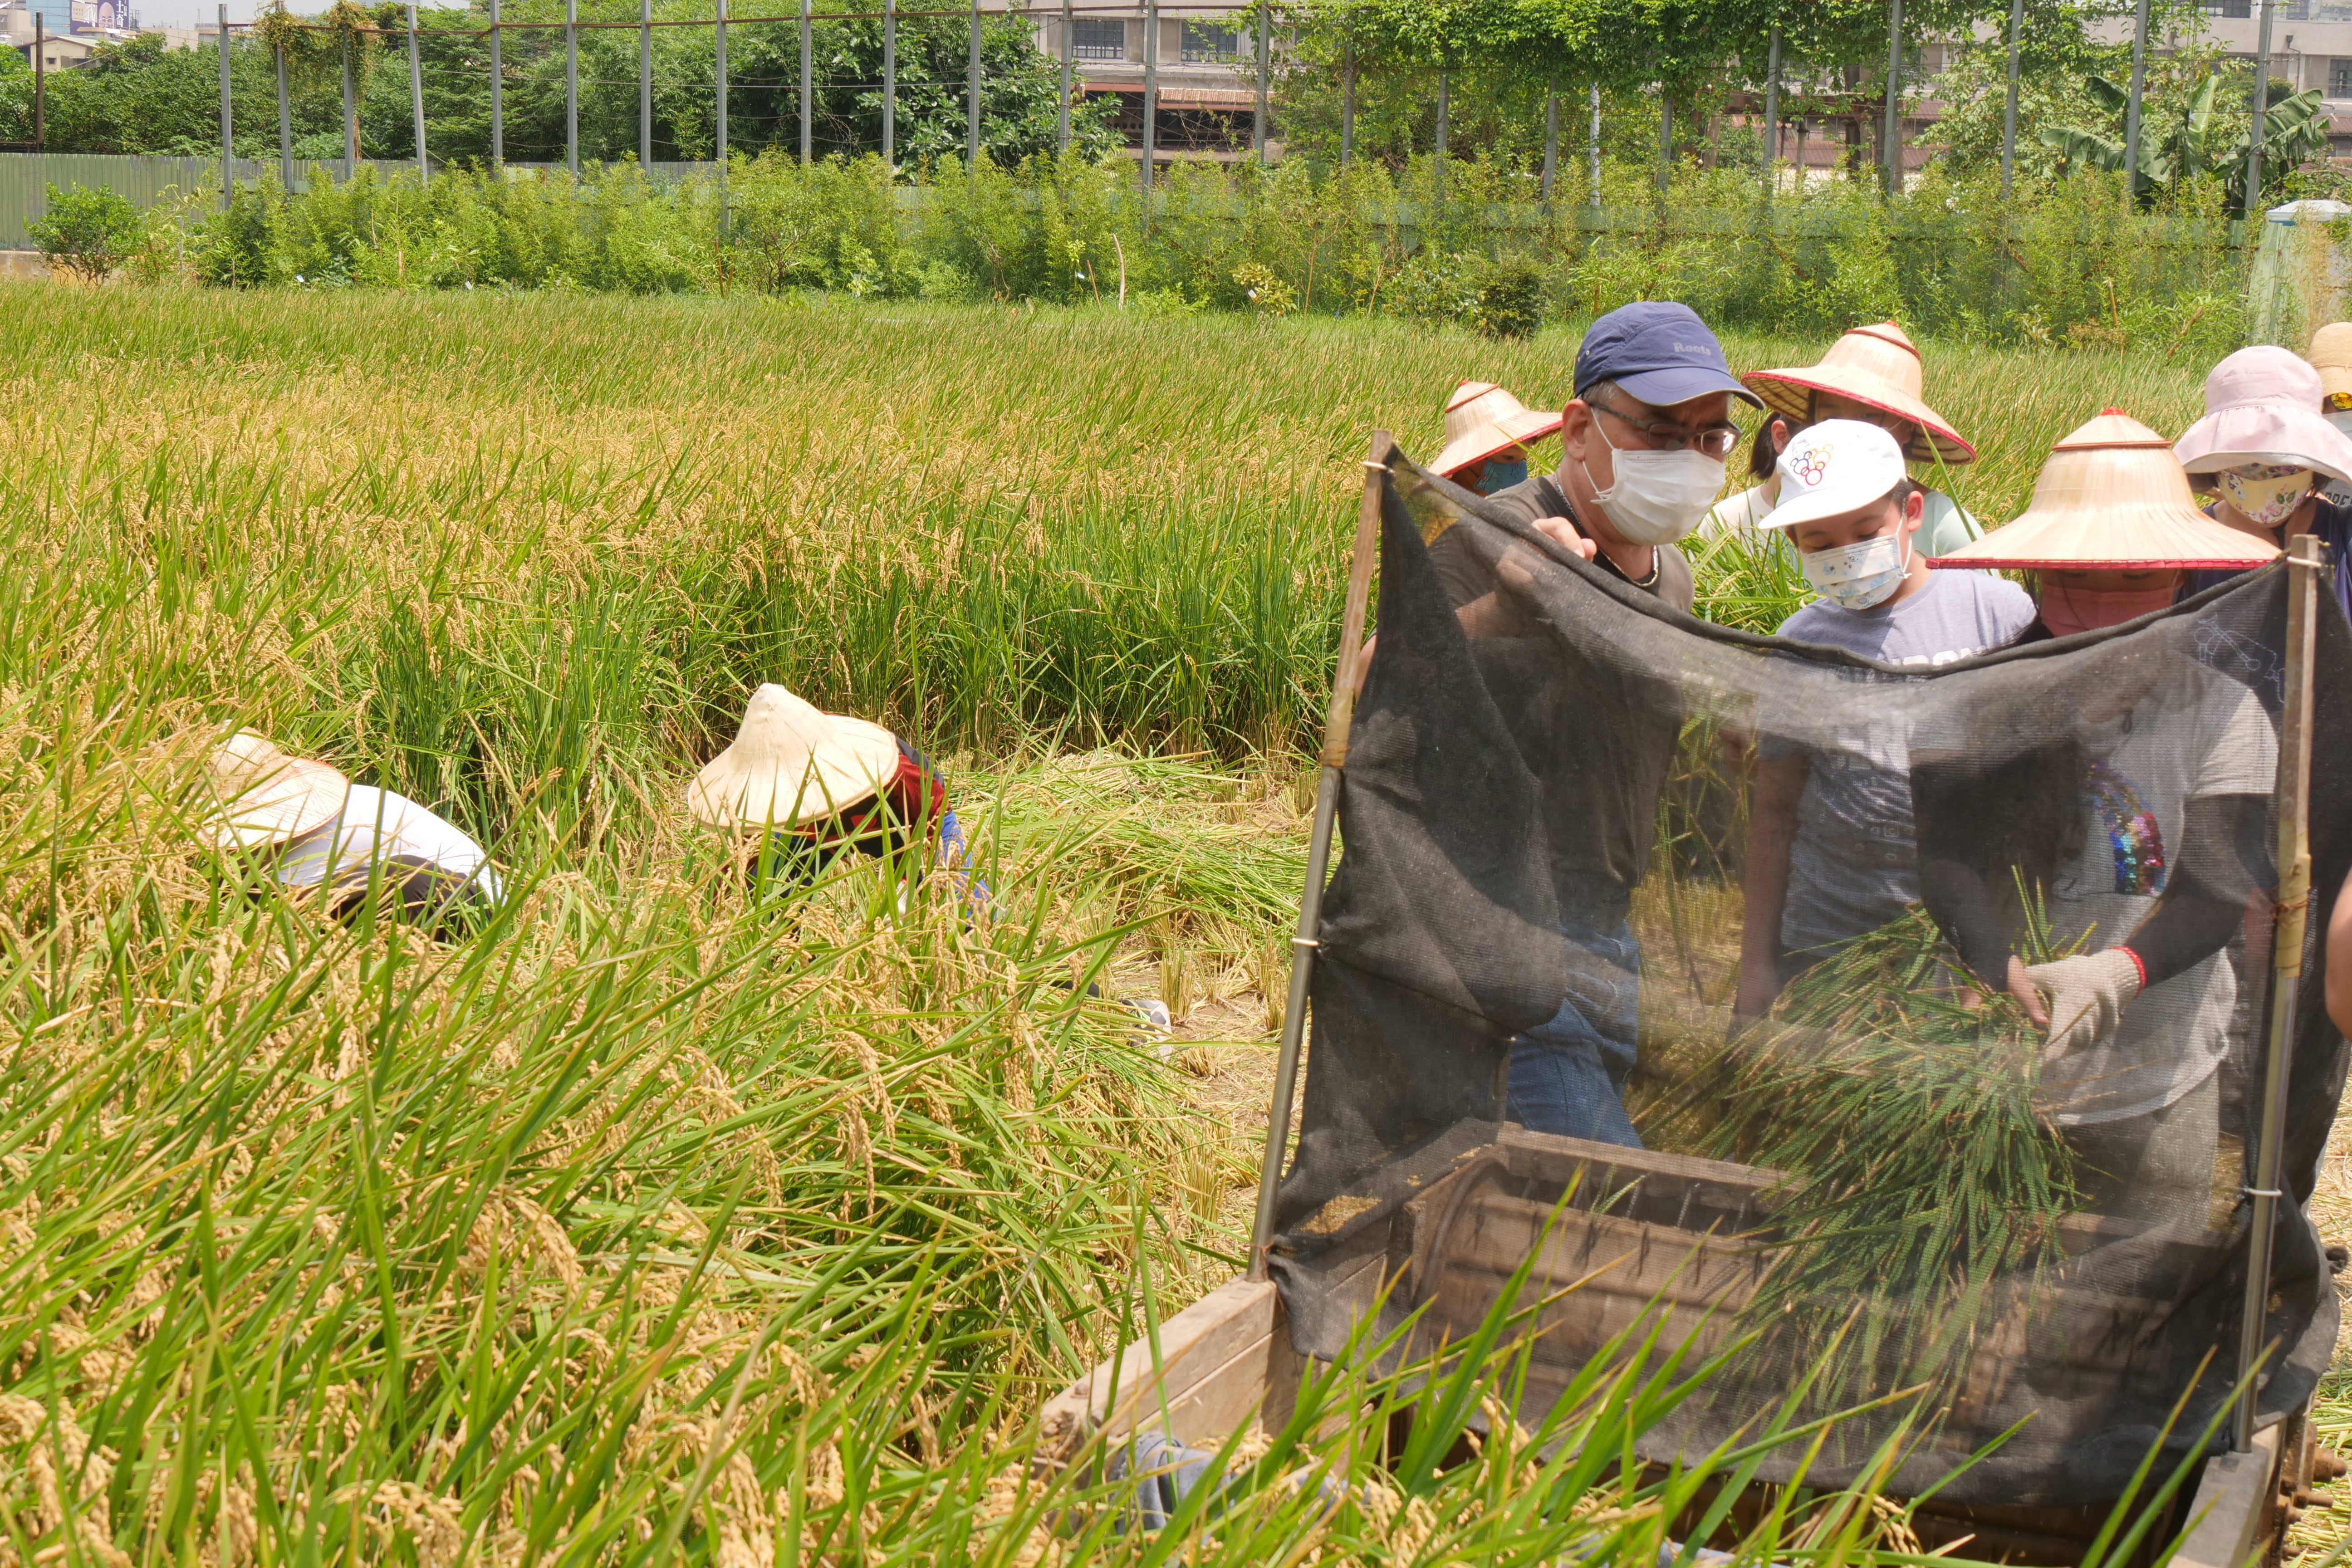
<point>571,84</point>
<point>2009,109</point>
<point>417,97</point>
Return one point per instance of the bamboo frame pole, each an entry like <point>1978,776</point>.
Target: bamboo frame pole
<point>1332,759</point>
<point>2306,558</point>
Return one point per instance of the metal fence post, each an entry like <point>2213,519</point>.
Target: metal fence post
<point>1437,163</point>
<point>285,119</point>
<point>228,140</point>
<point>571,84</point>
<point>1265,66</point>
<point>417,97</point>
<point>2261,104</point>
<point>808,86</point>
<point>1593,150</point>
<point>1893,137</point>
<point>1551,139</point>
<point>1346,101</point>
<point>1062,117</point>
<point>890,82</point>
<point>1666,140</point>
<point>646,83</point>
<point>498,92</point>
<point>41,85</point>
<point>1772,113</point>
<point>972,96</point>
<point>2132,104</point>
<point>719,58</point>
<point>1150,97</point>
<point>2008,108</point>
<point>350,116</point>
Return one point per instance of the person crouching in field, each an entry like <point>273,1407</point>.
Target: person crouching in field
<point>1487,432</point>
<point>322,831</point>
<point>1829,853</point>
<point>1874,374</point>
<point>821,786</point>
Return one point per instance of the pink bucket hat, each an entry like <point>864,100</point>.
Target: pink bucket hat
<point>2261,405</point>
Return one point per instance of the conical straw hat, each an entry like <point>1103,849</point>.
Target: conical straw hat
<point>1876,365</point>
<point>2112,496</point>
<point>262,796</point>
<point>1482,419</point>
<point>791,763</point>
<point>2331,357</point>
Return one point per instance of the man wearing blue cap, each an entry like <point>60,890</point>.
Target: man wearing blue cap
<point>1642,451</point>
<point>1643,444</point>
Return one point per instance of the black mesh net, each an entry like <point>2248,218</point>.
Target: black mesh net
<point>1564,807</point>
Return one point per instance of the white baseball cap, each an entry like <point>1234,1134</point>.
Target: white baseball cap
<point>1834,467</point>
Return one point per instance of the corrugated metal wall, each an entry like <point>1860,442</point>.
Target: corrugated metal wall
<point>26,179</point>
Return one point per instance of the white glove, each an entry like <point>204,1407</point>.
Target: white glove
<point>2089,993</point>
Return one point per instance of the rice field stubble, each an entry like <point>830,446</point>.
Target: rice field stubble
<point>651,1219</point>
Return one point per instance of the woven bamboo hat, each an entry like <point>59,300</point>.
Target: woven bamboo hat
<point>1876,365</point>
<point>262,796</point>
<point>791,763</point>
<point>1482,419</point>
<point>2113,497</point>
<point>2261,405</point>
<point>2331,357</point>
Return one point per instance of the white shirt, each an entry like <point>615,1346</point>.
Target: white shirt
<point>2197,734</point>
<point>376,824</point>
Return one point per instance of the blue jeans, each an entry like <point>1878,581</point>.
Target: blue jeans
<point>1567,1075</point>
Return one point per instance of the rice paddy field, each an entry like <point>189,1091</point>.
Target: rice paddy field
<point>653,1222</point>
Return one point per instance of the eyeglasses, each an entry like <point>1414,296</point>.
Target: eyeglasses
<point>1715,441</point>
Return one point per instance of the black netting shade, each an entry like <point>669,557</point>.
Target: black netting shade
<point>1527,1032</point>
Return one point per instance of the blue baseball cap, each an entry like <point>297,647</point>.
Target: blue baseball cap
<point>1658,352</point>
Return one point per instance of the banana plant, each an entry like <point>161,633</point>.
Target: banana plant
<point>2293,131</point>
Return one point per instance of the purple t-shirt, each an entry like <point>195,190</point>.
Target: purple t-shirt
<point>1854,867</point>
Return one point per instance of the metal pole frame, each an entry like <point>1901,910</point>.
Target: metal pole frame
<point>1062,114</point>
<point>1551,139</point>
<point>808,87</point>
<point>2132,101</point>
<point>2261,103</point>
<point>571,86</point>
<point>1437,160</point>
<point>285,119</point>
<point>2306,558</point>
<point>1333,760</point>
<point>350,113</point>
<point>1347,100</point>
<point>1891,137</point>
<point>1666,140</point>
<point>497,93</point>
<point>890,82</point>
<point>719,63</point>
<point>972,96</point>
<point>228,140</point>
<point>1150,98</point>
<point>417,97</point>
<point>1265,68</point>
<point>41,85</point>
<point>2009,109</point>
<point>1593,152</point>
<point>1772,113</point>
<point>646,83</point>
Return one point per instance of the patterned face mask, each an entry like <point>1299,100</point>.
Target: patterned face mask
<point>2265,493</point>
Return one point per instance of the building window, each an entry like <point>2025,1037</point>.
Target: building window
<point>1097,39</point>
<point>2339,78</point>
<point>2235,8</point>
<point>1205,43</point>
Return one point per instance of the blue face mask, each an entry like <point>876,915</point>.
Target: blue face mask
<point>1502,476</point>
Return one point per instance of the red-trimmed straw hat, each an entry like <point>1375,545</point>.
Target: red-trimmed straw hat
<point>1482,419</point>
<point>2113,497</point>
<point>262,796</point>
<point>1876,365</point>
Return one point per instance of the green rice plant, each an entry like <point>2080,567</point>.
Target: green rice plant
<point>1920,1177</point>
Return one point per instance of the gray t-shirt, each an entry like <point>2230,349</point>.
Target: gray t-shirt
<point>1854,867</point>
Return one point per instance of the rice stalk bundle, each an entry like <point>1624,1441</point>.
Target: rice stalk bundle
<point>1900,1102</point>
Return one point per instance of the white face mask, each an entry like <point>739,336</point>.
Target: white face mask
<point>1860,575</point>
<point>1659,496</point>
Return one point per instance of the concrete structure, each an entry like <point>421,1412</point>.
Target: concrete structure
<point>1207,74</point>
<point>61,54</point>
